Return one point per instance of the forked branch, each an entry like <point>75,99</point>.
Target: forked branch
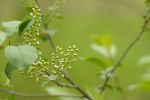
<point>124,54</point>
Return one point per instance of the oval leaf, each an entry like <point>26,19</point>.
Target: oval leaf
<point>21,56</point>
<point>10,27</point>
<point>25,24</point>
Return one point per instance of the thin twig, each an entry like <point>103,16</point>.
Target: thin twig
<point>116,65</point>
<point>21,94</point>
<point>49,38</point>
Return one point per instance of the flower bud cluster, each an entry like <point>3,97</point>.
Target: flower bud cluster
<point>37,69</point>
<point>61,59</point>
<point>33,31</point>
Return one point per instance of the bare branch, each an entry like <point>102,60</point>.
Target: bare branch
<point>73,85</point>
<point>124,54</point>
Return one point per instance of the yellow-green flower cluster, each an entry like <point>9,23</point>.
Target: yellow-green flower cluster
<point>33,31</point>
<point>37,69</point>
<point>61,59</point>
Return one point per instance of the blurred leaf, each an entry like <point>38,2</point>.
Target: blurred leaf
<point>60,91</point>
<point>96,61</point>
<point>10,27</point>
<point>100,49</point>
<point>144,85</point>
<point>106,52</point>
<point>105,41</point>
<point>2,37</point>
<point>146,75</point>
<point>9,69</point>
<point>21,56</point>
<point>132,87</point>
<point>25,24</point>
<point>144,60</point>
<point>94,94</point>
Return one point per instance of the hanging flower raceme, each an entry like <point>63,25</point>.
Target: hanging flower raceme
<point>38,68</point>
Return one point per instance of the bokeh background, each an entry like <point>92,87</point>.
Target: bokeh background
<point>121,19</point>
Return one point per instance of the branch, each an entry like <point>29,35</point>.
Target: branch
<point>58,83</point>
<point>49,38</point>
<point>66,76</point>
<point>124,54</point>
<point>20,94</point>
<point>73,85</point>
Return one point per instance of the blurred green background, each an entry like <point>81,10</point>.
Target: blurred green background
<point>121,19</point>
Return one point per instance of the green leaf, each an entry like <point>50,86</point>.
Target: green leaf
<point>106,52</point>
<point>9,69</point>
<point>10,27</point>
<point>25,24</point>
<point>2,37</point>
<point>144,60</point>
<point>96,61</point>
<point>60,91</point>
<point>94,94</point>
<point>21,56</point>
<point>105,40</point>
